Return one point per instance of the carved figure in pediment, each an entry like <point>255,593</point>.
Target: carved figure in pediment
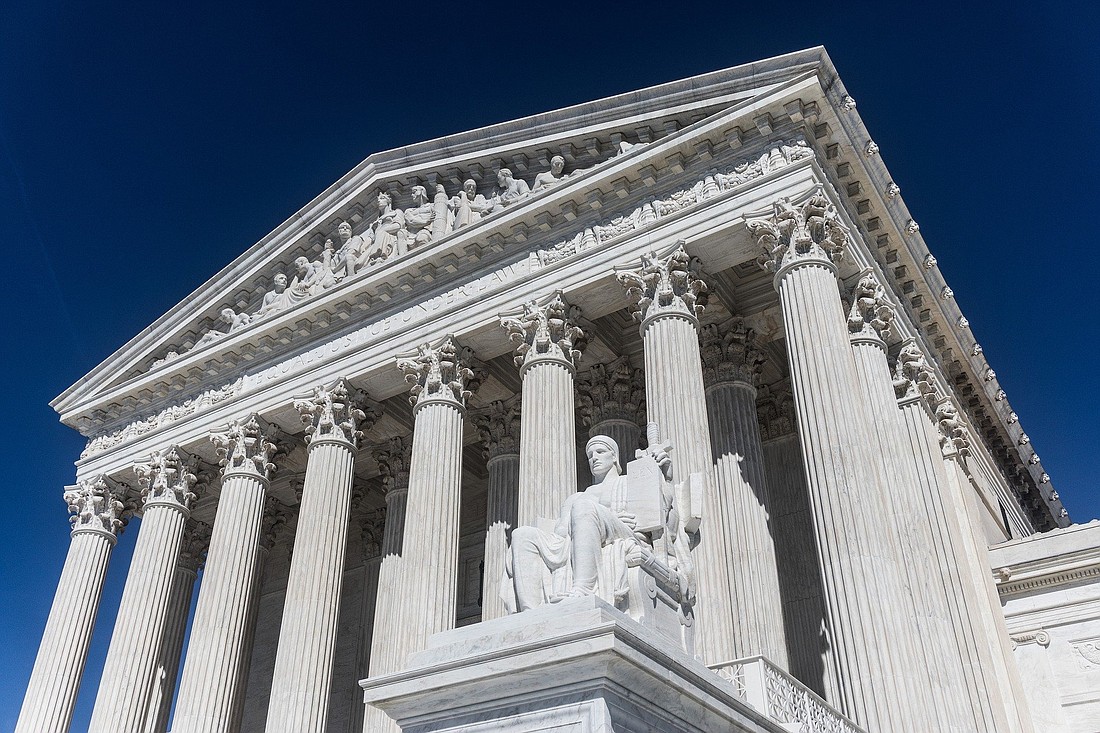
<point>552,177</point>
<point>346,256</point>
<point>274,299</point>
<point>233,320</point>
<point>469,205</point>
<point>389,237</point>
<point>509,190</point>
<point>311,279</point>
<point>421,217</point>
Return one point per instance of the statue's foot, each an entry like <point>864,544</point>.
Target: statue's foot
<point>576,591</point>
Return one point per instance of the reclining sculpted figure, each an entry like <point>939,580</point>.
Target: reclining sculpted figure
<point>622,538</point>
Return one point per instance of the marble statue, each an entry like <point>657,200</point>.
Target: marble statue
<point>275,299</point>
<point>469,205</point>
<point>622,521</point>
<point>420,217</point>
<point>552,177</point>
<point>388,234</point>
<point>509,190</point>
<point>351,248</point>
<point>443,220</point>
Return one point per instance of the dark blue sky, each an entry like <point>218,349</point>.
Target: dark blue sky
<point>144,146</point>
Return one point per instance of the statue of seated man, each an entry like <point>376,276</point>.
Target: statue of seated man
<point>546,566</point>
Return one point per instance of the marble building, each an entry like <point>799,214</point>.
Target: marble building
<point>337,434</point>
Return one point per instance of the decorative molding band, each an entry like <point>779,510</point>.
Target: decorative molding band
<point>1007,587</point>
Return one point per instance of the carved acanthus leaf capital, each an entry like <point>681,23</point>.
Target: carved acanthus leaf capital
<point>614,391</point>
<point>439,373</point>
<point>247,446</point>
<point>276,516</point>
<point>546,331</point>
<point>372,528</point>
<point>871,312</point>
<point>954,437</point>
<point>913,375</point>
<point>498,426</point>
<point>96,506</point>
<point>196,541</point>
<point>168,478</point>
<point>774,411</point>
<point>808,231</point>
<point>731,354</point>
<point>337,412</point>
<point>394,458</point>
<point>669,285</point>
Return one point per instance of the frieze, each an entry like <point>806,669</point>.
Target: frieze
<point>716,181</point>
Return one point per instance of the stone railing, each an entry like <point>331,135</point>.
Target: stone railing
<point>782,698</point>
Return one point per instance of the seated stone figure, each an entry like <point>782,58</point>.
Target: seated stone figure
<point>621,539</point>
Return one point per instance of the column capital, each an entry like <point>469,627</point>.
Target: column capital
<point>498,426</point>
<point>169,478</point>
<point>439,373</point>
<point>668,285</point>
<point>196,541</point>
<point>246,447</point>
<point>730,354</point>
<point>276,516</point>
<point>799,234</point>
<point>337,412</point>
<point>774,411</point>
<point>96,506</point>
<point>612,391</point>
<point>546,331</point>
<point>954,437</point>
<point>394,458</point>
<point>372,525</point>
<point>871,313</point>
<point>914,378</point>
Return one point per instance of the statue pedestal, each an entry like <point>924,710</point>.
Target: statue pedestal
<point>579,666</point>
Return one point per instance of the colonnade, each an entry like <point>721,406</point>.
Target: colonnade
<point>904,652</point>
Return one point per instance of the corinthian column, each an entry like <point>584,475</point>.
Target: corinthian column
<point>548,347</point>
<point>211,684</point>
<point>307,637</point>
<point>393,459</point>
<point>98,519</point>
<point>731,365</point>
<point>859,576</point>
<point>499,426</point>
<point>126,687</point>
<point>611,401</point>
<point>667,292</point>
<point>956,599</point>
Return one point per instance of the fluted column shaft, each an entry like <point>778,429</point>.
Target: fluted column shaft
<point>859,575</point>
<point>625,433</point>
<point>504,470</point>
<point>133,658</point>
<point>742,499</point>
<point>307,637</point>
<point>980,693</point>
<point>55,679</point>
<point>388,607</point>
<point>548,440</point>
<point>676,402</point>
<point>211,683</point>
<point>171,648</point>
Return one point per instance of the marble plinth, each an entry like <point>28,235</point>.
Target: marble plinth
<point>579,666</point>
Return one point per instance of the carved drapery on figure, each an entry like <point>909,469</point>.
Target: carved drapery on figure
<point>247,446</point>
<point>614,391</point>
<point>168,478</point>
<point>439,373</point>
<point>337,412</point>
<point>664,285</point>
<point>811,230</point>
<point>871,313</point>
<point>96,506</point>
<point>546,331</point>
<point>731,355</point>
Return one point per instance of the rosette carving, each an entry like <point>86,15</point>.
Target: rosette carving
<point>546,331</point>
<point>731,355</point>
<point>498,426</point>
<point>337,412</point>
<point>168,478</point>
<point>441,372</point>
<point>614,391</point>
<point>913,376</point>
<point>811,230</point>
<point>666,285</point>
<point>871,312</point>
<point>96,506</point>
<point>247,446</point>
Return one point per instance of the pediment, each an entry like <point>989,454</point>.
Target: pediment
<point>181,357</point>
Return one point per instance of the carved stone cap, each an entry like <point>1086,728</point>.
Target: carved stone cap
<point>613,391</point>
<point>730,354</point>
<point>668,285</point>
<point>96,506</point>
<point>954,437</point>
<point>871,313</point>
<point>168,478</point>
<point>775,411</point>
<point>394,458</point>
<point>913,376</point>
<point>337,412</point>
<point>546,330</point>
<point>247,447</point>
<point>276,516</point>
<point>439,373</point>
<point>196,541</point>
<point>372,527</point>
<point>498,425</point>
<point>794,233</point>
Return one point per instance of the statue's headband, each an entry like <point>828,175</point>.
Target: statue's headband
<point>603,440</point>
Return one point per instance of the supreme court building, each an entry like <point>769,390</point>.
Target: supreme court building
<point>335,436</point>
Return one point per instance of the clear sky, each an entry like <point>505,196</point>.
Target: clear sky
<point>145,145</point>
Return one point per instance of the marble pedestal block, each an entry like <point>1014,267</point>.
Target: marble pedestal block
<point>579,666</point>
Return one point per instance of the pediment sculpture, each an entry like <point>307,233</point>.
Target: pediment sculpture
<point>622,539</point>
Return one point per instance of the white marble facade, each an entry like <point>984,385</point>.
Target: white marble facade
<point>335,436</point>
